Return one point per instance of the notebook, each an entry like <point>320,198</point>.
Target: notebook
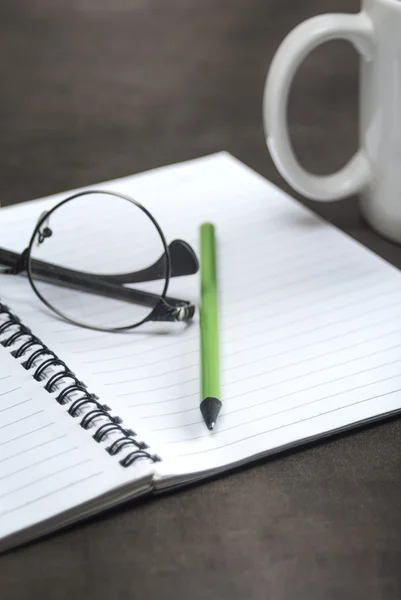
<point>310,345</point>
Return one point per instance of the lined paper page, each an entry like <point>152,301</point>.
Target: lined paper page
<point>48,465</point>
<point>310,324</point>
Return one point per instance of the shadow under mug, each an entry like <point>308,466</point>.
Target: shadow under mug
<point>374,172</point>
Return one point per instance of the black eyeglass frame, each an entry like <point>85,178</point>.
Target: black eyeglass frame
<point>163,308</point>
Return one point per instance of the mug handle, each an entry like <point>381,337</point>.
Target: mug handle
<point>296,46</point>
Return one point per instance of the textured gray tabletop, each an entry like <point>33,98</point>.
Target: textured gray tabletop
<point>98,89</point>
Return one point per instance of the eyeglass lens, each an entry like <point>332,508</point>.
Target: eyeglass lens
<point>99,260</point>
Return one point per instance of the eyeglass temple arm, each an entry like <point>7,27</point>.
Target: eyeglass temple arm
<point>183,261</point>
<point>170,309</point>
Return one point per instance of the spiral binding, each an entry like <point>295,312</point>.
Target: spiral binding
<point>86,400</point>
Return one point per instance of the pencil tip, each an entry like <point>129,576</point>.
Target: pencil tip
<point>210,408</point>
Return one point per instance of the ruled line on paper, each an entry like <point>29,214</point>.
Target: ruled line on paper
<point>248,303</point>
<point>22,419</point>
<point>261,374</point>
<point>174,413</point>
<point>157,389</point>
<point>324,340</point>
<point>272,385</point>
<point>134,364</point>
<point>47,476</point>
<point>263,344</point>
<point>312,344</point>
<point>311,330</point>
<point>244,284</point>
<point>14,405</point>
<point>224,355</point>
<point>280,354</point>
<point>66,342</point>
<point>119,357</point>
<point>318,313</point>
<point>293,408</point>
<point>314,371</point>
<point>261,292</point>
<point>39,462</point>
<point>327,382</point>
<point>155,401</point>
<point>284,426</point>
<point>248,406</point>
<point>176,343</point>
<point>119,344</point>
<point>147,377</point>
<point>280,275</point>
<point>32,447</point>
<point>10,391</point>
<point>60,489</point>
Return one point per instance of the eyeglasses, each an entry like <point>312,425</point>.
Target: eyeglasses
<point>99,260</point>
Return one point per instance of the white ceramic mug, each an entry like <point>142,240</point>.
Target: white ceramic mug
<point>375,170</point>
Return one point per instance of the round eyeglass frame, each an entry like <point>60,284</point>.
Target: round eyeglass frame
<point>44,218</point>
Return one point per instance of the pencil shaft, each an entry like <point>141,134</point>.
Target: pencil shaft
<point>209,320</point>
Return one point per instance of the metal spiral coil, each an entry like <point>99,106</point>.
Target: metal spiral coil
<point>48,359</point>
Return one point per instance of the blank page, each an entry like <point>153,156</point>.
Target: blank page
<point>310,323</point>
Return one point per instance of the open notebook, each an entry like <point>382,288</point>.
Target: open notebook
<point>310,345</point>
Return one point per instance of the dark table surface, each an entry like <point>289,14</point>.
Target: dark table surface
<point>97,89</point>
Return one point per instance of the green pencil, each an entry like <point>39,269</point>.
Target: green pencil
<point>209,327</point>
